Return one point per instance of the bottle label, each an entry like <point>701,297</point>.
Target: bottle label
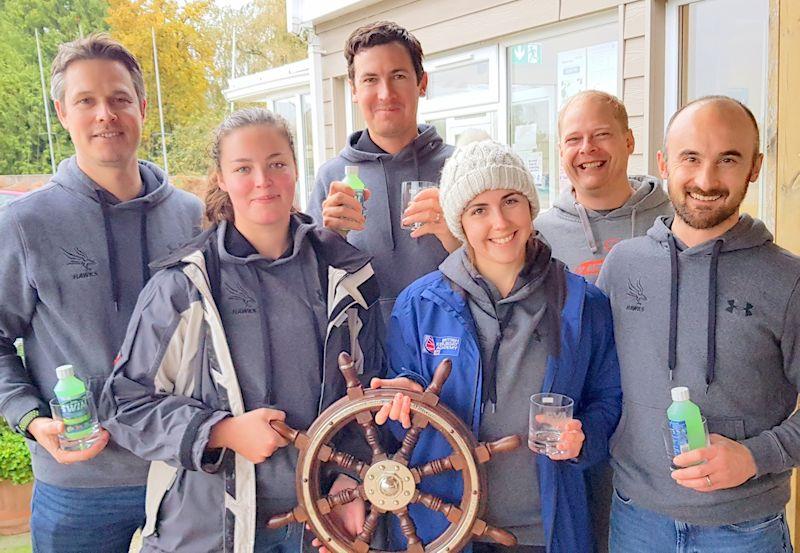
<point>77,418</point>
<point>680,437</point>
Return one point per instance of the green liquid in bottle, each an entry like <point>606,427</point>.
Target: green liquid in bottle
<point>685,422</point>
<point>71,394</point>
<point>352,180</point>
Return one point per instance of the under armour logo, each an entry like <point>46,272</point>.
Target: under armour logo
<point>747,309</point>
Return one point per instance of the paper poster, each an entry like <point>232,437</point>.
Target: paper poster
<point>534,163</point>
<point>525,137</point>
<point>601,67</point>
<point>571,73</point>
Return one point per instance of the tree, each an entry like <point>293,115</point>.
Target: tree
<point>23,129</point>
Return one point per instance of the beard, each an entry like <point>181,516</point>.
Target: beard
<point>702,218</point>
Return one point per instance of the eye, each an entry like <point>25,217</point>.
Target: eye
<point>477,211</point>
<point>369,80</point>
<point>513,200</point>
<point>83,101</point>
<point>277,165</point>
<point>602,134</point>
<point>572,140</point>
<point>728,161</point>
<point>400,76</point>
<point>242,170</point>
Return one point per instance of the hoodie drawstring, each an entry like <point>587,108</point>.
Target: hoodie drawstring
<point>143,247</point>
<point>587,227</point>
<point>711,342</point>
<point>111,248</point>
<point>633,222</point>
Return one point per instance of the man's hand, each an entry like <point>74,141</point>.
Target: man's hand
<point>341,211</point>
<point>571,442</point>
<point>725,464</point>
<point>349,517</point>
<point>400,407</point>
<point>250,435</point>
<point>46,431</point>
<point>426,209</point>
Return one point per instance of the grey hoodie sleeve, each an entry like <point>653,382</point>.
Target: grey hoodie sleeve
<point>162,351</point>
<point>18,394</point>
<point>778,449</point>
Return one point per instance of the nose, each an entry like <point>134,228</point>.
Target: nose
<point>261,178</point>
<point>587,145</point>
<point>706,176</point>
<point>499,219</point>
<point>385,91</point>
<point>105,112</point>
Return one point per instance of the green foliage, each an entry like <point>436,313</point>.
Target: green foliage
<point>15,459</point>
<point>23,131</point>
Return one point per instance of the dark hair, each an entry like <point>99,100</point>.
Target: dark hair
<point>218,203</point>
<point>98,46</point>
<point>717,99</point>
<point>382,32</point>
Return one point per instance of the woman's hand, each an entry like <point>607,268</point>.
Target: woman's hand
<point>425,208</point>
<point>349,517</point>
<point>400,407</point>
<point>250,435</point>
<point>571,442</point>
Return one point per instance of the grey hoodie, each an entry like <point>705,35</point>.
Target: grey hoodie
<point>723,319</point>
<point>521,324</point>
<point>581,237</point>
<point>72,263</point>
<point>397,258</point>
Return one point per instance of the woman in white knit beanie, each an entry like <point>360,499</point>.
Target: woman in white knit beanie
<point>514,322</point>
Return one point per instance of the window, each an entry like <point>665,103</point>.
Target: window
<point>296,109</point>
<point>306,145</point>
<point>461,80</point>
<point>720,47</point>
<point>543,71</point>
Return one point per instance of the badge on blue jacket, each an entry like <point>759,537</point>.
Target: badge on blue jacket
<point>441,345</point>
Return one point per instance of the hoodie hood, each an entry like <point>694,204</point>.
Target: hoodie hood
<point>747,233</point>
<point>540,271</point>
<point>427,140</point>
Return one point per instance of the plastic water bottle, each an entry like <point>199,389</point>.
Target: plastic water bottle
<point>352,180</point>
<point>81,426</point>
<point>685,422</point>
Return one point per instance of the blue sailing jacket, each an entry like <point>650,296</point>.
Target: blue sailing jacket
<point>432,311</point>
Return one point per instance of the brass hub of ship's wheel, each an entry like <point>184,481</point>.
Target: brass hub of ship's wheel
<point>387,483</point>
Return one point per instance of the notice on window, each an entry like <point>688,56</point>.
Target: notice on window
<point>525,137</point>
<point>601,67</point>
<point>571,73</point>
<point>533,161</point>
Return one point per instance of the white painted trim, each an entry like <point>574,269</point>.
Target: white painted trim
<point>285,80</point>
<point>315,52</point>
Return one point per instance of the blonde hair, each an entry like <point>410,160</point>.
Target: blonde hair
<point>218,203</point>
<point>616,105</point>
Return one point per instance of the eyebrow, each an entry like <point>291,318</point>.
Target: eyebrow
<point>392,72</point>
<point>244,159</point>
<point>514,193</point>
<point>116,92</point>
<point>735,153</point>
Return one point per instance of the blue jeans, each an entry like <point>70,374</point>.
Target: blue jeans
<point>288,539</point>
<point>85,520</point>
<point>635,530</point>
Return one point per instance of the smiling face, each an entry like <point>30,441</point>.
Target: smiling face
<point>497,224</point>
<point>386,90</point>
<point>594,147</point>
<point>259,173</point>
<point>709,163</point>
<point>102,114</point>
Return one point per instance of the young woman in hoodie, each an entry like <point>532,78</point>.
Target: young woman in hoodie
<point>240,328</point>
<point>514,322</point>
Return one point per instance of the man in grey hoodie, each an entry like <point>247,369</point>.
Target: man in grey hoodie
<point>384,64</point>
<point>604,204</point>
<point>73,258</point>
<point>706,300</point>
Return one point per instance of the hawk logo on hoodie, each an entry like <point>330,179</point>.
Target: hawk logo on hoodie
<point>79,258</point>
<point>240,294</point>
<point>636,291</point>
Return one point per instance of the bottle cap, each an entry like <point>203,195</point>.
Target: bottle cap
<point>680,393</point>
<point>65,371</point>
<point>351,170</point>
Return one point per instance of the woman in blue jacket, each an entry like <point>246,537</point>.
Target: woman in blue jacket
<point>514,322</point>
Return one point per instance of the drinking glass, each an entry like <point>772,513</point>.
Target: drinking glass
<point>669,443</point>
<point>408,190</point>
<point>549,414</point>
<point>81,427</point>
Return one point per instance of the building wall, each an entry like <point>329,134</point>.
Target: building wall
<point>443,25</point>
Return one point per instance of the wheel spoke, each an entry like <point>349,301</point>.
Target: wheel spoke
<point>480,528</point>
<point>403,455</point>
<point>371,434</point>
<point>298,514</point>
<point>370,525</point>
<point>328,454</point>
<point>487,450</point>
<point>453,462</point>
<point>329,502</point>
<point>435,503</point>
<point>409,531</point>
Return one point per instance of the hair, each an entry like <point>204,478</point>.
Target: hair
<point>97,46</point>
<point>718,99</point>
<point>616,105</point>
<point>378,33</point>
<point>218,203</point>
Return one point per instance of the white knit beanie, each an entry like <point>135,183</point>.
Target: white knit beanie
<point>475,168</point>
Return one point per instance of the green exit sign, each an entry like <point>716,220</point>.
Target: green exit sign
<point>530,53</point>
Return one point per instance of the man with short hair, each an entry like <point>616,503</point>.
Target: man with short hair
<point>707,301</point>
<point>73,259</point>
<point>604,204</point>
<point>384,66</point>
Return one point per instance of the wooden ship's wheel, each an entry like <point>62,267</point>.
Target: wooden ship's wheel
<point>388,484</point>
